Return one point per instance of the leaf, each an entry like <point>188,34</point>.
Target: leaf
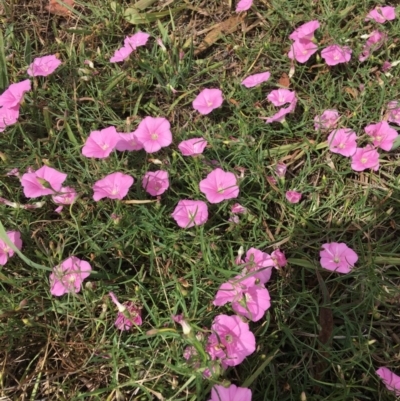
<point>284,80</point>
<point>3,65</point>
<point>60,7</point>
<point>133,16</point>
<point>223,28</point>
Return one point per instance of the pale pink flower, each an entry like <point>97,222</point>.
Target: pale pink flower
<point>243,5</point>
<point>192,147</point>
<point>12,97</point>
<point>238,209</point>
<point>281,114</point>
<point>14,172</point>
<point>374,42</point>
<point>279,258</point>
<point>8,117</point>
<point>279,97</point>
<point>336,54</point>
<point>231,393</point>
<point>338,257</point>
<point>280,170</point>
<point>113,186</point>
<point>154,133</point>
<point>293,196</point>
<point>128,142</point>
<point>101,143</point>
<point>393,109</point>
<point>180,319</point>
<point>129,314</point>
<point>301,50</point>
<point>219,186</point>
<point>189,213</point>
<point>234,219</point>
<point>66,196</point>
<point>386,66</point>
<point>305,31</point>
<point>208,100</point>
<point>390,380</point>
<point>43,66</point>
<point>231,340</point>
<point>131,43</point>
<point>256,79</point>
<point>343,141</point>
<point>259,264</point>
<point>155,183</point>
<point>121,54</point>
<point>364,158</point>
<point>327,120</point>
<point>381,14</point>
<point>44,181</point>
<point>5,250</point>
<point>68,276</point>
<point>271,180</point>
<point>383,135</point>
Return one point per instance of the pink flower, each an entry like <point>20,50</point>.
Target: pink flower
<point>386,66</point>
<point>302,49</point>
<point>393,109</point>
<point>259,264</point>
<point>43,66</point>
<point>279,258</point>
<point>129,314</point>
<point>192,147</point>
<point>180,319</point>
<point>374,42</point>
<point>390,380</point>
<point>336,54</point>
<point>280,115</point>
<point>68,276</point>
<point>128,142</point>
<point>343,141</point>
<point>113,186</point>
<point>280,170</point>
<point>154,133</point>
<point>279,97</point>
<point>131,43</point>
<point>189,213</point>
<point>381,14</point>
<point>256,79</point>
<point>231,393</point>
<point>219,185</point>
<point>238,209</point>
<point>327,120</point>
<point>305,31</point>
<point>231,340</point>
<point>101,143</point>
<point>243,5</point>
<point>293,196</point>
<point>364,158</point>
<point>5,250</point>
<point>8,117</point>
<point>208,100</point>
<point>337,257</point>
<point>44,181</point>
<point>155,183</point>
<point>14,94</point>
<point>383,135</point>
<point>66,196</point>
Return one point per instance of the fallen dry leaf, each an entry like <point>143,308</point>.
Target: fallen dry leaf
<point>56,7</point>
<point>284,80</point>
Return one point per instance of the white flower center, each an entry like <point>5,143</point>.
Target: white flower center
<point>154,136</point>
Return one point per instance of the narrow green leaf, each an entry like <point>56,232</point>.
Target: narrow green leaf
<point>114,82</point>
<point>3,65</point>
<point>28,49</point>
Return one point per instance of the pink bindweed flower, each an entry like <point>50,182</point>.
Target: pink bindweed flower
<point>180,319</point>
<point>279,97</point>
<point>8,117</point>
<point>293,196</point>
<point>231,340</point>
<point>390,380</point>
<point>279,258</point>
<point>155,183</point>
<point>101,143</point>
<point>343,141</point>
<point>386,66</point>
<point>327,120</point>
<point>280,170</point>
<point>208,100</point>
<point>337,257</point>
<point>336,54</point>
<point>393,110</point>
<point>305,31</point>
<point>243,5</point>
<point>238,209</point>
<point>381,14</point>
<point>192,147</point>
<point>129,314</point>
<point>301,50</point>
<point>131,43</point>
<point>68,276</point>
<point>281,114</point>
<point>43,66</point>
<point>374,42</point>
<point>45,181</point>
<point>128,142</point>
<point>219,186</point>
<point>13,96</point>
<point>256,79</point>
<point>382,134</point>
<point>154,133</point>
<point>364,158</point>
<point>231,393</point>
<point>5,250</point>
<point>189,213</point>
<point>113,186</point>
<point>66,196</point>
<point>259,264</point>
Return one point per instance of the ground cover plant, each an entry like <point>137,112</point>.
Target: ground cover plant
<point>199,201</point>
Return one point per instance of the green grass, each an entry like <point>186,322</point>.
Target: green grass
<point>67,348</point>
